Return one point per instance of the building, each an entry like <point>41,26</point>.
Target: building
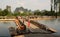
<point>55,5</point>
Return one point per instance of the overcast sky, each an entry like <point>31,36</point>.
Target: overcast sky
<point>29,4</point>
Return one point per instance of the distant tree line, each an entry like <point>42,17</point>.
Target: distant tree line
<point>27,12</point>
<point>46,13</point>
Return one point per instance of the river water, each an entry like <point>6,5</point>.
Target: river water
<point>53,23</point>
<point>4,32</point>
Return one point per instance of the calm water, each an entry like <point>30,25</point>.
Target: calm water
<point>54,23</point>
<point>4,28</point>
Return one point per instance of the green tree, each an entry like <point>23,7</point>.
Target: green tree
<point>5,12</point>
<point>0,12</point>
<point>16,14</point>
<point>49,13</point>
<point>37,12</point>
<point>58,13</point>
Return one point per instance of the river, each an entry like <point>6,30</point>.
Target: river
<point>53,23</point>
<point>4,32</point>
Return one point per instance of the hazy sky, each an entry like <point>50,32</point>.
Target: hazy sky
<point>30,4</point>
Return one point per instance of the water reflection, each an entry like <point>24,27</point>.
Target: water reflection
<point>54,23</point>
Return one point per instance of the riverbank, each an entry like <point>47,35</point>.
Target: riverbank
<point>31,17</point>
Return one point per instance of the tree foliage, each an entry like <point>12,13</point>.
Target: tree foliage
<point>5,12</point>
<point>37,12</point>
<point>45,13</point>
<point>0,12</point>
<point>26,12</point>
